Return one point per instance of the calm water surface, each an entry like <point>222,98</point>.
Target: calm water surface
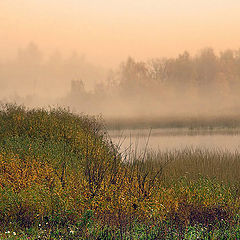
<point>172,139</point>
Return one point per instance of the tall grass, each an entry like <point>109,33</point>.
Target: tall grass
<point>62,177</point>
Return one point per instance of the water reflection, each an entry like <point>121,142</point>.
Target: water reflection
<point>172,139</point>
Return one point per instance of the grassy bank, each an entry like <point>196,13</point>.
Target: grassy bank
<point>62,178</point>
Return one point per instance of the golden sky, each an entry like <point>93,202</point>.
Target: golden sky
<point>108,31</point>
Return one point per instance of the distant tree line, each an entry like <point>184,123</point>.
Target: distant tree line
<point>207,82</point>
<point>206,71</point>
<point>34,74</point>
<point>194,82</point>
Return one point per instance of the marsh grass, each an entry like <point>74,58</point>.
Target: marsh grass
<point>61,177</point>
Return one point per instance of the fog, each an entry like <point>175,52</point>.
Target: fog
<point>189,85</point>
<point>122,59</point>
<point>31,75</point>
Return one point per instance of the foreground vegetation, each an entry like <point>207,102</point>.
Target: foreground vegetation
<point>61,177</point>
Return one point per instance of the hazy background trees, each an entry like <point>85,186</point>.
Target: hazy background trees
<point>206,83</point>
<point>35,75</point>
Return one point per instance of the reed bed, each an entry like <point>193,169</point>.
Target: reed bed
<point>61,177</point>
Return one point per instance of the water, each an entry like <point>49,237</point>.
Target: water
<point>177,139</point>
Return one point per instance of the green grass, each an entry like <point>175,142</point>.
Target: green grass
<point>62,178</point>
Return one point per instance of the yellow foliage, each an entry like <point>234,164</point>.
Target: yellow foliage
<point>20,173</point>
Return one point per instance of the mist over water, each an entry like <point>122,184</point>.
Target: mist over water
<point>170,140</point>
<point>206,84</point>
<point>119,119</point>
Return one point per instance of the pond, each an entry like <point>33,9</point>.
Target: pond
<point>177,139</point>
